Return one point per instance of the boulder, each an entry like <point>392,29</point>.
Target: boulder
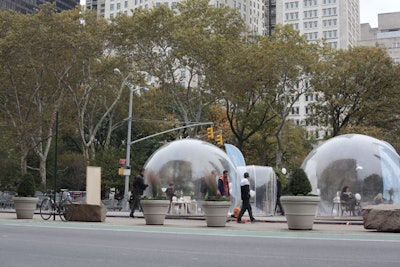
<point>89,213</point>
<point>383,217</point>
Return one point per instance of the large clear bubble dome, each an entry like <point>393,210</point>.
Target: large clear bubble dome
<point>185,163</point>
<point>367,165</point>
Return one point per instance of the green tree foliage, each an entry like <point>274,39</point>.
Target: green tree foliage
<point>60,61</point>
<point>43,55</point>
<point>178,51</point>
<point>262,79</point>
<point>199,64</point>
<point>358,87</point>
<point>244,90</point>
<point>293,61</point>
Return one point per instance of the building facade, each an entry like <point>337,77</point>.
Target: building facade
<point>387,35</point>
<point>28,6</point>
<point>337,21</point>
<point>97,6</point>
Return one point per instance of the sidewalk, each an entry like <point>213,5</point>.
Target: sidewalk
<point>351,226</point>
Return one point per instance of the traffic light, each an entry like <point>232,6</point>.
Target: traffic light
<point>210,133</point>
<point>219,140</point>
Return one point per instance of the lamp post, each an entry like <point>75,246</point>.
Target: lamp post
<point>127,171</point>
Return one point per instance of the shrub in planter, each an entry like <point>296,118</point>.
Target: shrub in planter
<point>300,208</point>
<point>154,203</point>
<point>215,206</point>
<point>26,186</point>
<point>25,201</point>
<point>154,191</point>
<point>299,185</point>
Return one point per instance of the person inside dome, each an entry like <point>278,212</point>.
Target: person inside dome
<point>348,199</point>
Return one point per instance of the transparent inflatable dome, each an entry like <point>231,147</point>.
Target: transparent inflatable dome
<point>187,163</point>
<point>367,165</point>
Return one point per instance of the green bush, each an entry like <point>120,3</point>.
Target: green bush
<point>299,183</point>
<point>216,198</point>
<point>26,186</point>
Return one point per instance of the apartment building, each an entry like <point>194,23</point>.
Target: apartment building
<point>28,6</point>
<point>97,6</point>
<point>258,14</point>
<point>386,35</point>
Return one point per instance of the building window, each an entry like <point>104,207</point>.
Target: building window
<point>396,45</point>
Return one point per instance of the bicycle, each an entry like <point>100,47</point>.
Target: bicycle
<point>63,207</point>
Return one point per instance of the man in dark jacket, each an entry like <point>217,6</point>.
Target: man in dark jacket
<point>245,192</point>
<point>138,186</point>
<point>278,195</point>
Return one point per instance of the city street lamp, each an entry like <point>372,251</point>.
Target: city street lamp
<point>127,171</point>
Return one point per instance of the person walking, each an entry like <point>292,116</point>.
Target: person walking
<point>138,186</point>
<point>278,195</point>
<point>245,193</point>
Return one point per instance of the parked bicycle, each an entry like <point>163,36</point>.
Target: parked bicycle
<point>62,207</point>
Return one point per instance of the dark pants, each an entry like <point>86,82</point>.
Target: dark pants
<point>245,206</point>
<point>169,207</point>
<point>135,203</point>
<point>279,204</point>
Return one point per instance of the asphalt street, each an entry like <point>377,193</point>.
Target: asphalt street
<point>124,241</point>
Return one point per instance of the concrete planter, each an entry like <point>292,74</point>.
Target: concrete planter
<point>154,211</point>
<point>25,206</point>
<point>300,211</point>
<point>216,212</point>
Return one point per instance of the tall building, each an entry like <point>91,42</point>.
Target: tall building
<point>387,35</point>
<point>256,13</point>
<point>28,6</point>
<point>97,6</point>
<point>337,21</point>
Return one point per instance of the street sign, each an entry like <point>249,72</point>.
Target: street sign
<point>122,161</point>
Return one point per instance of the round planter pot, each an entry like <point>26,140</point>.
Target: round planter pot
<point>300,211</point>
<point>216,212</point>
<point>25,207</point>
<point>154,211</point>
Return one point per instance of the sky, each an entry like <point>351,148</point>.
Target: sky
<point>369,9</point>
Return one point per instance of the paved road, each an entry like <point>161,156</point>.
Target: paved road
<point>122,241</point>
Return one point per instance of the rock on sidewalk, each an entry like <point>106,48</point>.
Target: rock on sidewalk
<point>383,217</point>
<point>89,213</point>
